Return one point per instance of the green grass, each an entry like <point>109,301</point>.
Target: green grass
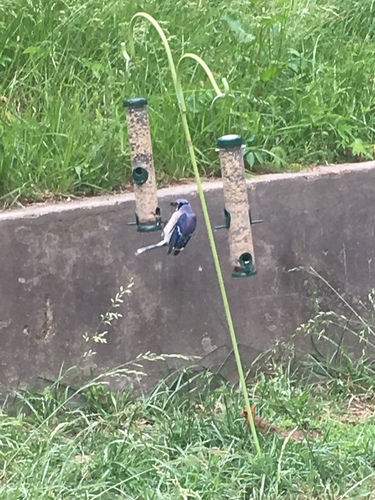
<point>180,444</point>
<point>187,439</point>
<point>302,72</point>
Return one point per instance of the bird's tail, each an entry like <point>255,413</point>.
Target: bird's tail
<point>151,247</point>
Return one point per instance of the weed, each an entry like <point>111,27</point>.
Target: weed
<point>187,439</point>
<point>175,444</point>
<point>302,73</point>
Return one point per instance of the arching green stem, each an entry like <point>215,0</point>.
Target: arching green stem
<point>215,256</point>
<point>207,70</point>
<point>158,28</point>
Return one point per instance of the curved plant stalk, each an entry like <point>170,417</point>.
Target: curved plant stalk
<point>181,101</point>
<point>207,70</point>
<point>204,66</point>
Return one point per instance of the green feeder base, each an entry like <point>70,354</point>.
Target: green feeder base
<point>246,267</point>
<point>148,226</point>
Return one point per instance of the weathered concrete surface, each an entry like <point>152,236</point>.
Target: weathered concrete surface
<point>61,264</point>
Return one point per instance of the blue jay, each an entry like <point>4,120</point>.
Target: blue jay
<point>178,230</point>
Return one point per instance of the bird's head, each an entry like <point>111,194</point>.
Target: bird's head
<point>180,202</point>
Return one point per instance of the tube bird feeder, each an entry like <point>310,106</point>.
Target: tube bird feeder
<point>148,216</point>
<point>236,211</point>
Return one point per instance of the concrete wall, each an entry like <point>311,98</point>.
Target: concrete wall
<point>61,264</point>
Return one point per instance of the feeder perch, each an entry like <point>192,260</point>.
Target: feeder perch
<point>227,220</point>
<point>237,214</point>
<point>147,215</point>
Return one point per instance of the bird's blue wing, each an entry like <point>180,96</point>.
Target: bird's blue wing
<point>183,230</point>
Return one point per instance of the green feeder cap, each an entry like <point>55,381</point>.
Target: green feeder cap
<point>229,141</point>
<point>140,175</point>
<point>137,102</point>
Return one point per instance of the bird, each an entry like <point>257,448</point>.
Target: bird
<point>264,426</point>
<point>178,230</point>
